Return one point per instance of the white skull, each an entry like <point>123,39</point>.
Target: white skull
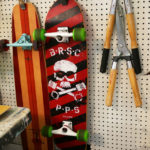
<point>65,71</point>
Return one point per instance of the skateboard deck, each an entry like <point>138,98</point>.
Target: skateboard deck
<point>30,78</point>
<point>66,69</point>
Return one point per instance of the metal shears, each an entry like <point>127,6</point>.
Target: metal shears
<point>122,52</point>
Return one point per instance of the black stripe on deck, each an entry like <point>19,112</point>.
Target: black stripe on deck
<point>65,139</point>
<point>81,66</point>
<point>70,105</point>
<point>58,2</point>
<point>62,17</point>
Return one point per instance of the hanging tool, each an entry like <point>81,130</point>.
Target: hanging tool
<point>122,52</point>
<point>132,32</point>
<point>22,4</point>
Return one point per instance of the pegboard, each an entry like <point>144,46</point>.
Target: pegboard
<point>122,126</point>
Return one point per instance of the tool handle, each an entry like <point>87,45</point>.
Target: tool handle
<point>136,61</point>
<point>111,87</point>
<point>134,87</point>
<point>134,45</point>
<point>109,31</point>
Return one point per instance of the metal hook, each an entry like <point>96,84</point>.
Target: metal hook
<point>22,4</point>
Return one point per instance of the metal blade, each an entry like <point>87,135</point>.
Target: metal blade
<point>120,25</point>
<point>113,7</point>
<point>128,6</point>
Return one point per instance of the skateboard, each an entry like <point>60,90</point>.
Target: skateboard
<point>29,74</point>
<point>66,61</point>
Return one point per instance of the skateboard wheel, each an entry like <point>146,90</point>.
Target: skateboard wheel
<point>79,34</point>
<point>47,131</point>
<point>36,35</point>
<point>42,34</point>
<point>39,35</point>
<point>3,45</point>
<point>82,135</point>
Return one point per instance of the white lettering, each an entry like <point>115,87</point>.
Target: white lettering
<point>77,111</point>
<point>67,109</point>
<point>60,51</point>
<point>52,52</point>
<point>76,53</point>
<point>69,50</point>
<point>58,107</point>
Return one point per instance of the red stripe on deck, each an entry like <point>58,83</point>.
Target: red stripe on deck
<point>80,126</point>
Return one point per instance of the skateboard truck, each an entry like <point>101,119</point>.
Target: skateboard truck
<point>66,130</point>
<point>62,35</point>
<point>24,42</point>
<point>79,87</point>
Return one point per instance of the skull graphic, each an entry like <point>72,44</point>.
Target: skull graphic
<point>65,72</point>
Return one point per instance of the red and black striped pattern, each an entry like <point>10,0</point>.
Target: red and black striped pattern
<point>66,16</point>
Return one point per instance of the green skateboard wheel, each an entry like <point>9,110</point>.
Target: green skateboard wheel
<point>47,131</point>
<point>36,36</point>
<point>42,34</point>
<point>82,135</point>
<point>79,34</point>
<point>39,35</point>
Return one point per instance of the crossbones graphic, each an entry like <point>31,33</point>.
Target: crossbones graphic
<point>65,73</point>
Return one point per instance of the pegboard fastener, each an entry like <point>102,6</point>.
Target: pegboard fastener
<point>22,4</point>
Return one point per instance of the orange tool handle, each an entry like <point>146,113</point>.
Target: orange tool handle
<point>109,31</point>
<point>134,86</point>
<point>111,87</point>
<point>132,30</point>
<point>134,45</point>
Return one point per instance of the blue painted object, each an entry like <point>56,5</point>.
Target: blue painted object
<point>24,42</point>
